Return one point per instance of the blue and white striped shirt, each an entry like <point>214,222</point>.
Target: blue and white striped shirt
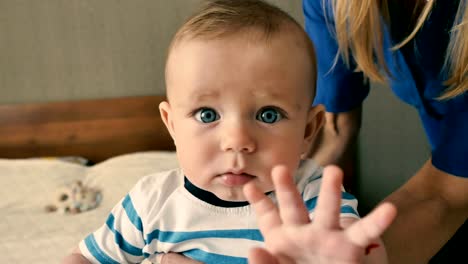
<point>160,215</point>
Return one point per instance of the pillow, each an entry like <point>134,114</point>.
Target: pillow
<point>28,185</point>
<point>116,176</point>
<point>73,159</point>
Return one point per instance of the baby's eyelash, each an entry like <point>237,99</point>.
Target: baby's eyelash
<point>195,111</point>
<point>283,113</point>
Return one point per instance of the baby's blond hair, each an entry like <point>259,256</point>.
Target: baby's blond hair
<point>222,18</point>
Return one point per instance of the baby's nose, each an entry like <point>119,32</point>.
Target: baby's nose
<point>238,139</point>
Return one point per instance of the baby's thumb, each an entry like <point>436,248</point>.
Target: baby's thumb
<point>261,256</point>
<point>372,226</point>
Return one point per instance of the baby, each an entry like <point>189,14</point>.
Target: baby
<point>240,79</point>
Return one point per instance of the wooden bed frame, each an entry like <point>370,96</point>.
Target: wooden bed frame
<point>94,129</point>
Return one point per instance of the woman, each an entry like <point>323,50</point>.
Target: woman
<point>420,48</point>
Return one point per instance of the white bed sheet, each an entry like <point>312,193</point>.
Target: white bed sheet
<point>31,235</point>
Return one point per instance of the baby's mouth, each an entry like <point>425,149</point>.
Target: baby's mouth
<point>235,179</point>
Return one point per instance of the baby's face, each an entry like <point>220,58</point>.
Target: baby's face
<point>238,108</point>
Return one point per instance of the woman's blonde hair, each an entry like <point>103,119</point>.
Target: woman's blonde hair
<point>358,28</point>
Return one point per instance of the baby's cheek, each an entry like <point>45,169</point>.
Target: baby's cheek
<point>267,185</point>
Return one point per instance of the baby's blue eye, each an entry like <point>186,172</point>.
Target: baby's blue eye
<point>269,115</point>
<point>206,115</point>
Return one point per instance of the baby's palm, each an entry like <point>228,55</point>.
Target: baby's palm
<point>290,236</point>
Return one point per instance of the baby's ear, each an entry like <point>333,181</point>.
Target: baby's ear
<point>315,121</point>
<point>166,116</point>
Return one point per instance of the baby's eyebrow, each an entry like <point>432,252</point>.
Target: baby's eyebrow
<point>272,96</point>
<point>267,94</point>
<point>204,95</point>
<point>196,98</point>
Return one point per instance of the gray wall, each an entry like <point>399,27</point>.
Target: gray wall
<point>392,146</point>
<point>74,49</point>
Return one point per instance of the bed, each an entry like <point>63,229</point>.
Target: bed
<point>123,139</point>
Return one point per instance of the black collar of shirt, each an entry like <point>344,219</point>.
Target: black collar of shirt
<point>210,197</point>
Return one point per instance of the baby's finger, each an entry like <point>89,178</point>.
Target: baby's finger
<point>261,256</point>
<point>364,231</point>
<point>291,205</point>
<point>328,205</point>
<point>267,213</point>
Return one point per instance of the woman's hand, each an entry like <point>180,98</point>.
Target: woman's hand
<point>290,236</point>
<point>336,139</point>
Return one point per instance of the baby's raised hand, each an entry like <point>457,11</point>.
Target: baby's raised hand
<point>290,236</point>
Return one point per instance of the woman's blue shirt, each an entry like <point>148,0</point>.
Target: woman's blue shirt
<point>417,77</point>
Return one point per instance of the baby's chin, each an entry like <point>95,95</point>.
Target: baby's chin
<point>233,194</point>
<point>236,195</point>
